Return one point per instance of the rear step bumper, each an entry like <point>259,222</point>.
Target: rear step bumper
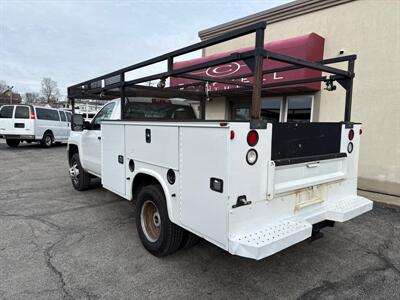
<point>18,137</point>
<point>266,240</point>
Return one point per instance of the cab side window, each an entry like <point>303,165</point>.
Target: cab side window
<point>104,114</point>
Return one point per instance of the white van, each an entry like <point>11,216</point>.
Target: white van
<point>34,124</point>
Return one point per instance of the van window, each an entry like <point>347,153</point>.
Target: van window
<point>47,114</point>
<point>62,116</point>
<point>69,116</point>
<point>22,112</point>
<point>6,111</point>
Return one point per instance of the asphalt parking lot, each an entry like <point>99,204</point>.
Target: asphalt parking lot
<point>57,243</point>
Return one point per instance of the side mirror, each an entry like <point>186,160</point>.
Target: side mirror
<point>87,125</point>
<point>77,123</point>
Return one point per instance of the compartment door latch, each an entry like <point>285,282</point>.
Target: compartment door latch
<point>241,200</point>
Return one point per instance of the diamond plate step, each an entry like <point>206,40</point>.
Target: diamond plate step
<point>347,208</point>
<point>268,240</point>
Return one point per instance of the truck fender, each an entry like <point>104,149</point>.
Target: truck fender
<point>163,184</point>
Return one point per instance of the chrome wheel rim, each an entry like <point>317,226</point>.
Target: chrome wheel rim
<point>150,221</point>
<point>47,140</point>
<point>74,172</point>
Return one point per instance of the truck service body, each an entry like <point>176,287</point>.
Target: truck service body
<point>252,187</point>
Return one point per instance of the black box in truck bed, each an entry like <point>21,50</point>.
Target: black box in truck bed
<point>301,142</point>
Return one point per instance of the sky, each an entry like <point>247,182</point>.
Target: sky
<point>73,41</point>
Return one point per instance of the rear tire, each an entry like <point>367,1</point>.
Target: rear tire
<point>12,143</point>
<point>157,233</point>
<point>79,177</point>
<point>47,140</point>
<point>189,240</point>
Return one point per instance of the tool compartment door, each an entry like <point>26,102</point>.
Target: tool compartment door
<point>113,157</point>
<point>153,144</point>
<point>204,155</point>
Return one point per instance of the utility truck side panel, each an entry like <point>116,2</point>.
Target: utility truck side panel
<point>156,145</point>
<point>204,156</point>
<point>113,164</point>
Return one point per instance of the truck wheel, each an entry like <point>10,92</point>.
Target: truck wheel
<point>79,177</point>
<point>158,234</point>
<point>47,140</point>
<point>189,240</point>
<point>12,143</point>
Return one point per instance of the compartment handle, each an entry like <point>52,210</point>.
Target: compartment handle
<point>313,165</point>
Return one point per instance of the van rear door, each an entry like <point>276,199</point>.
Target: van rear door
<point>23,123</point>
<point>6,119</point>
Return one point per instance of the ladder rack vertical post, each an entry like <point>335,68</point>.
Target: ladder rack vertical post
<point>122,94</point>
<point>257,74</point>
<point>349,92</point>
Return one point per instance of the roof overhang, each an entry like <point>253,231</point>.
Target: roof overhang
<point>272,15</point>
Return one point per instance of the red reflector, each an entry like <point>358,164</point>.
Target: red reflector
<point>351,134</point>
<point>232,134</point>
<point>252,138</point>
<point>360,131</point>
<point>32,115</point>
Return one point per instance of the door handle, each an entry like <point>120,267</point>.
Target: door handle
<point>99,138</point>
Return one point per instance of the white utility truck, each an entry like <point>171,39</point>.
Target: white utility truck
<point>251,187</point>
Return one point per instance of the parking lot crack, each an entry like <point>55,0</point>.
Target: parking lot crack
<point>379,253</point>
<point>32,217</point>
<point>355,280</point>
<point>49,254</point>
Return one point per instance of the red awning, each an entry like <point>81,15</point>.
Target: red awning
<point>308,47</point>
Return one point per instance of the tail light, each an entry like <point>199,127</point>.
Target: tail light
<point>351,134</point>
<point>251,157</point>
<point>360,131</point>
<point>232,134</point>
<point>32,115</point>
<point>350,147</point>
<point>252,138</point>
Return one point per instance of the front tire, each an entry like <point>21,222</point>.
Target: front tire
<point>79,177</point>
<point>12,143</point>
<point>157,233</point>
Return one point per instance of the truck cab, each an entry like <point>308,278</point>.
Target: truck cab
<point>88,141</point>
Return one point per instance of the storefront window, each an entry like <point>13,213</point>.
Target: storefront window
<point>278,109</point>
<point>271,109</point>
<point>241,113</point>
<point>299,108</point>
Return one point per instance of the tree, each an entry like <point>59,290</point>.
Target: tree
<point>31,97</point>
<point>50,90</point>
<point>3,86</point>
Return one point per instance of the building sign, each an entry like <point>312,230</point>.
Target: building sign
<point>309,47</point>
